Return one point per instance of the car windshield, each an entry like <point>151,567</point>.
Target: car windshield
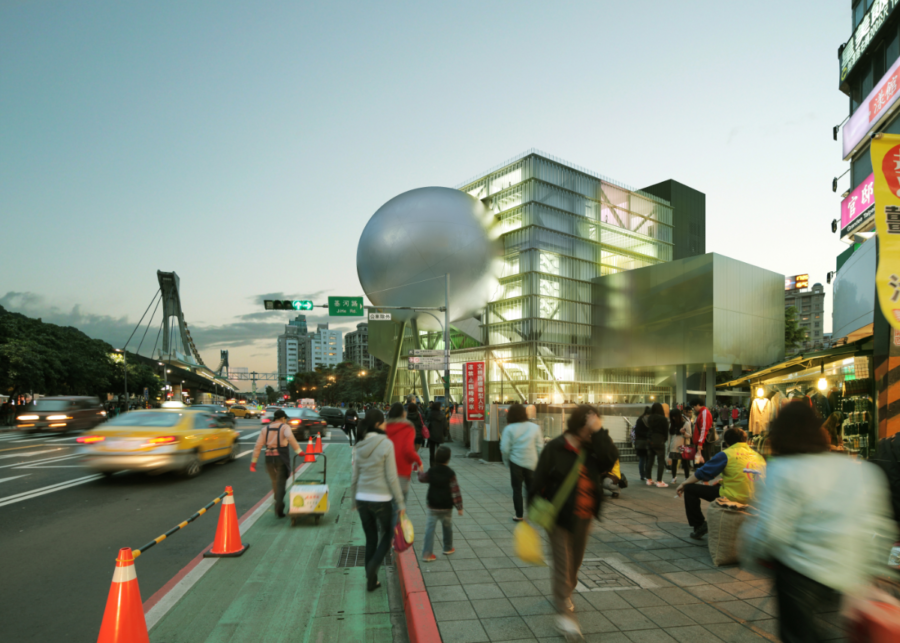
<point>145,418</point>
<point>51,405</point>
<point>306,414</point>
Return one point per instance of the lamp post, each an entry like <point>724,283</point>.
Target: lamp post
<point>125,362</point>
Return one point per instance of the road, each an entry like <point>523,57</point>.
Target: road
<point>61,527</point>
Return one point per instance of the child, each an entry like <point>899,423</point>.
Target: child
<point>443,495</point>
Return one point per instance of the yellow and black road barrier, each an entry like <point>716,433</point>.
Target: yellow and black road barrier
<point>179,526</point>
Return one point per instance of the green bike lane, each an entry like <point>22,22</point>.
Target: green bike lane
<point>288,586</point>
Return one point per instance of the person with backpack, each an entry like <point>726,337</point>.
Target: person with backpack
<point>351,420</point>
<point>437,430</point>
<point>443,495</point>
<point>276,437</point>
<point>569,479</point>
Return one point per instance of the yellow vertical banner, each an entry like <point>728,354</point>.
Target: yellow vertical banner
<point>886,165</point>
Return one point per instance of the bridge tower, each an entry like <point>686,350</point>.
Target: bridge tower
<point>172,314</point>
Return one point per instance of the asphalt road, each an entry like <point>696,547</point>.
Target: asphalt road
<point>61,527</point>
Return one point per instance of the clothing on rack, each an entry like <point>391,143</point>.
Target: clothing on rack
<point>760,414</point>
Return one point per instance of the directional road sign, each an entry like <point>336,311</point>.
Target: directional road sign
<point>427,367</point>
<point>346,307</point>
<point>421,352</point>
<point>379,317</point>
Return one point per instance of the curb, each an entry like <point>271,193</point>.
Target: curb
<point>420,622</point>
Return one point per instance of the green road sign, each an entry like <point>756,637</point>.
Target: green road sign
<point>345,307</point>
<point>302,304</point>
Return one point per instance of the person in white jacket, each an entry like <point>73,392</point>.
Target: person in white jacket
<point>824,523</point>
<point>520,445</point>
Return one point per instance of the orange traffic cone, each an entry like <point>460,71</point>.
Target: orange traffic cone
<point>123,620</point>
<point>310,452</point>
<point>228,534</point>
<point>318,443</point>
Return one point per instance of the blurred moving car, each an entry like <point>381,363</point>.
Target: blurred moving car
<point>219,410</point>
<point>243,412</point>
<point>159,440</point>
<point>269,414</point>
<point>63,414</point>
<point>305,423</point>
<point>334,416</point>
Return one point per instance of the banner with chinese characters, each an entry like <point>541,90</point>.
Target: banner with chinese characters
<point>473,380</point>
<point>859,207</point>
<point>886,163</point>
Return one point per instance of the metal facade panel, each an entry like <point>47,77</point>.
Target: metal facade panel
<point>854,291</point>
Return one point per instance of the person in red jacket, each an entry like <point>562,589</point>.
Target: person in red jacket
<point>402,433</point>
<point>703,422</point>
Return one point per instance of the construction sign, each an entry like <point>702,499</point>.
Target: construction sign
<point>886,163</point>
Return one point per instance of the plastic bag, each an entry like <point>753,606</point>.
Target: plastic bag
<point>527,544</point>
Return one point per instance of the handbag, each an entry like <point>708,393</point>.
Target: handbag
<point>543,512</point>
<point>688,452</point>
<point>527,544</point>
<point>403,534</point>
<point>425,432</point>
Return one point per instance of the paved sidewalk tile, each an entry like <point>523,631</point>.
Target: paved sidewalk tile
<point>643,579</point>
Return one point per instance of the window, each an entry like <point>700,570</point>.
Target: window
<point>878,67</point>
<point>861,168</point>
<point>892,49</point>
<point>858,12</point>
<point>868,78</point>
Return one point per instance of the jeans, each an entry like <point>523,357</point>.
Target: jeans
<point>278,474</point>
<point>432,447</point>
<point>404,487</point>
<point>568,553</point>
<point>642,461</point>
<point>799,598</point>
<point>693,494</point>
<point>518,475</point>
<point>378,526</point>
<point>446,518</point>
<point>659,454</point>
<point>685,465</point>
<point>351,434</point>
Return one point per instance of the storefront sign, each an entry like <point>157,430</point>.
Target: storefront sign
<point>886,162</point>
<point>858,207</point>
<point>872,110</point>
<point>796,282</point>
<point>865,31</point>
<point>474,383</point>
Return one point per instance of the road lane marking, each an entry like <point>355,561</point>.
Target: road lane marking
<point>26,455</point>
<point>243,454</point>
<point>28,464</point>
<point>34,493</point>
<point>14,477</point>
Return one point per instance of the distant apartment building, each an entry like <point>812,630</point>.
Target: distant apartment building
<point>292,349</point>
<point>323,348</point>
<point>810,305</point>
<point>356,349</point>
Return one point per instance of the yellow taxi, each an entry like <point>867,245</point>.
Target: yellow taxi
<point>241,411</point>
<point>168,439</point>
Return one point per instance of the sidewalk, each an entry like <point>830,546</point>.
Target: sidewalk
<point>643,579</point>
<point>289,586</point>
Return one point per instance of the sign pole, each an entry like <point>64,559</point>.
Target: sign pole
<point>447,336</point>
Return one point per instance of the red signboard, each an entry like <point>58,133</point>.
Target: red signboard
<point>473,379</point>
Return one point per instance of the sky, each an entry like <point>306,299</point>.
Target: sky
<point>245,145</point>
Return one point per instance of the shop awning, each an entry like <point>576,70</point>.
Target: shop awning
<point>803,361</point>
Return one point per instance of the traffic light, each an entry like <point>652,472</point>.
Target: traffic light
<point>290,378</point>
<point>286,396</point>
<point>288,304</point>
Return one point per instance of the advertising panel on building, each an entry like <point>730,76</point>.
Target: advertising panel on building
<point>474,383</point>
<point>859,207</point>
<point>874,110</point>
<point>796,282</point>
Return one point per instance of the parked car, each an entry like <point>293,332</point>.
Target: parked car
<point>332,415</point>
<point>61,414</point>
<point>219,410</point>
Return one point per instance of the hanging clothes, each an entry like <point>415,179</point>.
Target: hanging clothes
<point>760,413</point>
<point>822,405</point>
<point>777,402</point>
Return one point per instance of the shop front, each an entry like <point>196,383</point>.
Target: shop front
<point>837,383</point>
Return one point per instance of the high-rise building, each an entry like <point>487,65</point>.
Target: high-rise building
<point>688,217</point>
<point>810,305</point>
<point>356,349</point>
<point>323,348</point>
<point>292,349</point>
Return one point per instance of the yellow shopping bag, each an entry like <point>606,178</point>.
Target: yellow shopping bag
<point>527,544</point>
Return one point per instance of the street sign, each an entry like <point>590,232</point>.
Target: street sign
<point>288,304</point>
<point>422,352</point>
<point>346,307</point>
<point>379,317</point>
<point>428,359</point>
<point>302,304</point>
<point>427,367</point>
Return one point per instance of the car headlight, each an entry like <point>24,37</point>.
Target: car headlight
<point>58,417</point>
<point>27,417</point>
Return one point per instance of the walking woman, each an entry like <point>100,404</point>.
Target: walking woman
<point>680,432</point>
<point>585,448</point>
<point>401,432</point>
<point>351,421</point>
<point>642,441</point>
<point>520,445</point>
<point>276,437</point>
<point>658,429</point>
<point>437,430</point>
<point>414,416</point>
<point>374,487</point>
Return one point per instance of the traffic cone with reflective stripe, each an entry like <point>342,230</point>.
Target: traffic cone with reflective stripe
<point>310,452</point>
<point>228,533</point>
<point>318,443</point>
<point>123,620</point>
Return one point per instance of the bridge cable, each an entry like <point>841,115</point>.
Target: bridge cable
<point>158,333</point>
<point>149,321</point>
<point>158,292</point>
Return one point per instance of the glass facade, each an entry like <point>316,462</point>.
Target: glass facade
<point>561,227</point>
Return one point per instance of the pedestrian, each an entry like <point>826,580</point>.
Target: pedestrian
<point>520,446</point>
<point>414,416</point>
<point>823,522</point>
<point>403,435</point>
<point>680,430</point>
<point>351,421</point>
<point>658,430</point>
<point>613,480</point>
<point>437,430</point>
<point>725,415</point>
<point>735,415</point>
<point>443,495</point>
<point>642,442</point>
<point>587,447</point>
<point>703,425</point>
<point>740,468</point>
<point>374,486</point>
<point>276,436</point>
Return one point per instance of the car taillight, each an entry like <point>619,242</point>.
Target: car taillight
<point>58,417</point>
<point>27,417</point>
<point>155,442</point>
<point>266,420</point>
<point>89,439</point>
<point>295,422</point>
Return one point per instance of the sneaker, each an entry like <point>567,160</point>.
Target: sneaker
<point>649,483</point>
<point>615,494</point>
<point>452,551</point>
<point>700,532</point>
<point>430,558</point>
<point>674,481</point>
<point>518,519</point>
<point>661,484</point>
<point>568,626</point>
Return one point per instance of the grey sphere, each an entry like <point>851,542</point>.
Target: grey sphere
<point>416,238</point>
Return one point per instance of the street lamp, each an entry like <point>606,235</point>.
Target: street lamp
<point>362,373</point>
<point>125,361</point>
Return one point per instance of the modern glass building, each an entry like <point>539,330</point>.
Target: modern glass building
<point>562,226</point>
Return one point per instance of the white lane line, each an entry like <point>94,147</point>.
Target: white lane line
<point>34,493</point>
<point>27,454</point>
<point>244,453</point>
<point>68,437</point>
<point>27,464</point>
<point>14,477</point>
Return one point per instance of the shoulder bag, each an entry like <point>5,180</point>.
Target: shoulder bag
<point>543,512</point>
